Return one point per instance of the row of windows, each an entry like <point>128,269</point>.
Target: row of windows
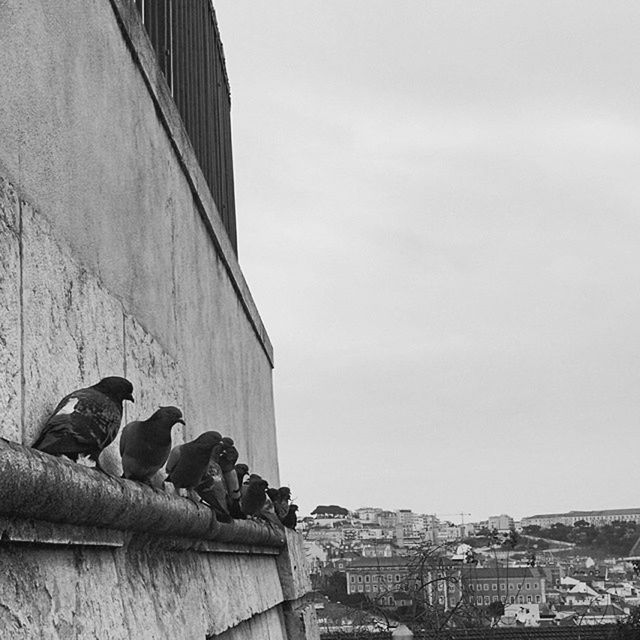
<point>503,587</point>
<point>512,599</point>
<point>374,578</point>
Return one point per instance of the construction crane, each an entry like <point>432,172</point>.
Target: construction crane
<point>460,513</point>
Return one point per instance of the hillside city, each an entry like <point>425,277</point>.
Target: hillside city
<point>373,568</point>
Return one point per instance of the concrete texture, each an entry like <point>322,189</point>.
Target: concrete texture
<point>73,333</point>
<point>84,147</point>
<point>134,592</point>
<point>10,314</point>
<point>113,261</point>
<point>267,626</point>
<point>296,582</point>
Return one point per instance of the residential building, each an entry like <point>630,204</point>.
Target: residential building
<point>369,514</point>
<point>596,518</point>
<point>501,523</point>
<point>510,585</point>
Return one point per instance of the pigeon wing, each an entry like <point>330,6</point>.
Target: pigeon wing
<point>172,460</point>
<point>84,422</point>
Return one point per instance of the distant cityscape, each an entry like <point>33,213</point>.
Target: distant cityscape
<point>573,568</point>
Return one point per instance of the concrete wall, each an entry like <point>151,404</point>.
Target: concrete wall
<point>113,260</point>
<point>108,259</point>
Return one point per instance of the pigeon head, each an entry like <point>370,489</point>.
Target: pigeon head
<point>227,442</point>
<point>116,388</point>
<point>293,507</point>
<point>273,494</point>
<point>242,469</point>
<point>284,493</point>
<point>258,483</point>
<point>168,416</point>
<point>208,440</point>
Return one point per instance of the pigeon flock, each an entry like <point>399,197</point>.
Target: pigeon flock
<point>88,420</point>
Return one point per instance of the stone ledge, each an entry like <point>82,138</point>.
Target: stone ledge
<point>49,499</point>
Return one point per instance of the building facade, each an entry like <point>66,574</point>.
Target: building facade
<point>118,257</point>
<point>595,518</point>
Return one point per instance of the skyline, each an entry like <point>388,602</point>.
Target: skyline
<point>437,210</point>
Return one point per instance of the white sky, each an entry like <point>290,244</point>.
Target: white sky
<point>438,218</point>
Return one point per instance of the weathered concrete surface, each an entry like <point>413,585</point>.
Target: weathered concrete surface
<point>296,582</point>
<point>267,626</point>
<point>72,325</point>
<point>37,485</point>
<point>301,621</point>
<point>83,144</point>
<point>10,314</point>
<point>299,614</point>
<point>133,592</point>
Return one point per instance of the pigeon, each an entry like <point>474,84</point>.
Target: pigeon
<point>187,463</point>
<point>145,446</point>
<point>268,512</point>
<point>86,421</point>
<point>291,519</point>
<point>281,502</point>
<point>241,471</point>
<point>254,495</point>
<point>213,490</point>
<point>226,456</point>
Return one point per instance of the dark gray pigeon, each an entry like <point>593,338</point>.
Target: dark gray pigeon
<point>86,421</point>
<point>145,445</point>
<point>291,519</point>
<point>187,463</point>
<point>254,495</point>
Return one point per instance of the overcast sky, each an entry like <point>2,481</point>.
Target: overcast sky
<point>438,206</point>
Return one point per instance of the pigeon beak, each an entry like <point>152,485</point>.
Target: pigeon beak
<point>181,420</point>
<point>129,397</point>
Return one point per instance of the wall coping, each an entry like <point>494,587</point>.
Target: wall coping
<point>144,56</point>
<point>52,500</point>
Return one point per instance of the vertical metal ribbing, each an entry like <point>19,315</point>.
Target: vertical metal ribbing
<point>185,37</point>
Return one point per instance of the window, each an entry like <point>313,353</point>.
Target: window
<point>510,587</point>
<point>527,585</point>
<point>353,578</point>
<point>367,587</point>
<point>360,588</point>
<point>535,585</point>
<point>441,599</point>
<point>471,587</point>
<point>486,587</point>
<point>494,587</point>
<point>479,599</point>
<point>452,587</point>
<point>440,586</point>
<point>495,598</point>
<point>529,599</point>
<point>374,578</point>
<point>520,600</point>
<point>389,578</point>
<point>503,598</point>
<point>538,598</point>
<point>512,599</point>
<point>367,578</point>
<point>397,577</point>
<point>502,587</point>
<point>519,586</point>
<point>487,600</point>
